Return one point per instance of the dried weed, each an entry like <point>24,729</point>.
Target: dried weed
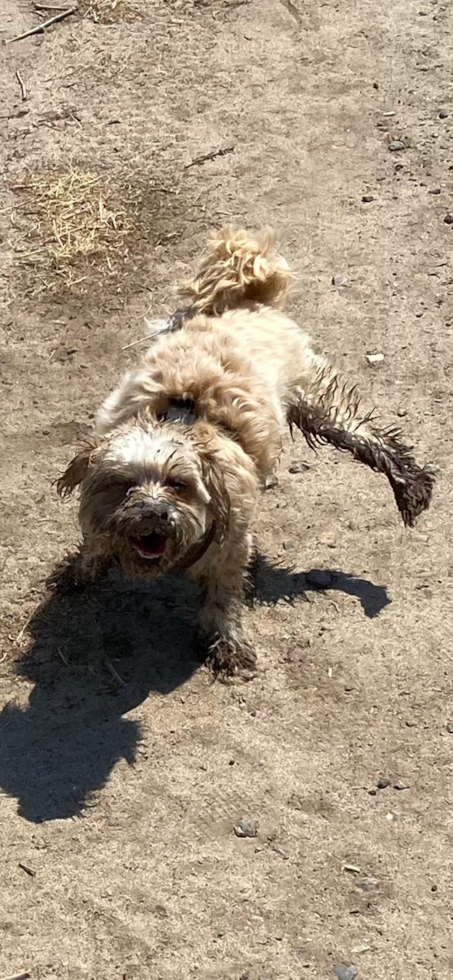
<point>78,226</point>
<point>110,10</point>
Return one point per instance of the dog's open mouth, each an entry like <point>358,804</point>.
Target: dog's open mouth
<point>150,546</point>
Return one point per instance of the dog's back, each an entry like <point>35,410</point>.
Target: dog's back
<point>249,369</point>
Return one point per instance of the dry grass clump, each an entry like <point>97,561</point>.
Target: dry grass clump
<point>72,223</point>
<point>109,9</point>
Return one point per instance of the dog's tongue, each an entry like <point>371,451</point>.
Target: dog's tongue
<point>150,545</point>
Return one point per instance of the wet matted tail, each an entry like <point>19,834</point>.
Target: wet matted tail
<point>333,416</point>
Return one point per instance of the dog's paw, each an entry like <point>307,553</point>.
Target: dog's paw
<point>230,658</point>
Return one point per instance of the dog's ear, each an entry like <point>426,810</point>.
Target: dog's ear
<point>77,470</point>
<point>215,485</point>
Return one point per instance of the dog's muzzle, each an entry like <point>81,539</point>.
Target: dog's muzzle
<point>148,527</point>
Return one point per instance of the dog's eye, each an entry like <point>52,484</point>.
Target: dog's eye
<point>177,485</point>
<point>122,484</point>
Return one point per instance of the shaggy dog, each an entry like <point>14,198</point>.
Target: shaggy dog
<point>181,448</point>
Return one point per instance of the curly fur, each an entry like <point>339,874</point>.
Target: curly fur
<point>238,270</point>
<point>152,475</point>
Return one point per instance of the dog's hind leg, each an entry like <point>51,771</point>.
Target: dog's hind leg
<point>328,411</point>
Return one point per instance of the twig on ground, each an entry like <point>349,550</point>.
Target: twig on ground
<point>21,635</point>
<point>62,657</point>
<point>135,342</point>
<point>198,161</point>
<point>40,28</point>
<point>49,6</point>
<point>22,85</point>
<point>16,115</point>
<point>28,871</point>
<point>113,671</point>
<point>18,976</point>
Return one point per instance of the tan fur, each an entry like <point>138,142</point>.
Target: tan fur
<point>248,371</point>
<point>237,270</point>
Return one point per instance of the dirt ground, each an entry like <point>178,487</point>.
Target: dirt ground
<point>118,855</point>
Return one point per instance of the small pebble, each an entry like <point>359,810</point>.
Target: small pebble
<point>246,827</point>
<point>401,413</point>
<point>345,972</point>
<point>279,850</point>
<point>367,884</point>
<point>435,190</point>
<point>443,114</point>
<point>374,358</point>
<point>319,579</point>
<point>400,785</point>
<point>383,782</point>
<point>367,198</point>
<point>340,281</point>
<point>448,219</point>
<point>396,145</point>
<point>434,888</point>
<point>449,727</point>
<point>298,467</point>
<point>289,545</point>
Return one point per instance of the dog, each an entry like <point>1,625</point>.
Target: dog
<point>171,478</point>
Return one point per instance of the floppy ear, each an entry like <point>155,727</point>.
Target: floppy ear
<point>215,485</point>
<point>76,472</point>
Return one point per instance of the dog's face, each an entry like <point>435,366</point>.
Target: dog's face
<point>148,497</point>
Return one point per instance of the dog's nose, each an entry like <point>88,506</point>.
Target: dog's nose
<point>157,508</point>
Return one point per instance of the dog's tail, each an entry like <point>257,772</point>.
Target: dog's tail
<point>240,269</point>
<point>329,411</point>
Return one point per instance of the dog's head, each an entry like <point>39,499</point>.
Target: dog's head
<point>149,496</point>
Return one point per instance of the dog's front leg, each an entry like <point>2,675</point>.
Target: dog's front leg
<point>221,637</point>
<point>78,571</point>
<point>93,561</point>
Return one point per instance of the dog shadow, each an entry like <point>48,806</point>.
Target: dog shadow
<point>272,583</point>
<point>96,654</point>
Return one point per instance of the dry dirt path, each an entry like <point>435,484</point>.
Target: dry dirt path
<point>122,801</point>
